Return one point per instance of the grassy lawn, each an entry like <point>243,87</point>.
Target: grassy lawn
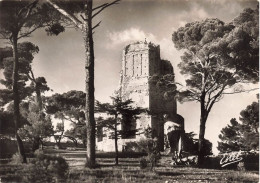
<point>128,170</point>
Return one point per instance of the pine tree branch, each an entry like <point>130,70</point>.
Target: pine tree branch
<point>69,119</point>
<point>74,19</point>
<point>28,75</point>
<point>104,7</point>
<point>33,4</point>
<point>29,10</point>
<point>105,4</point>
<point>96,25</point>
<point>215,98</point>
<point>28,33</point>
<point>244,91</point>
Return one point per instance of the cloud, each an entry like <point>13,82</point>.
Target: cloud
<point>127,36</point>
<point>194,13</point>
<point>119,39</point>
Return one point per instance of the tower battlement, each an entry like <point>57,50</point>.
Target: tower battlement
<point>140,59</point>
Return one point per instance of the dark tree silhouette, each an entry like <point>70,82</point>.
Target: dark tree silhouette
<point>242,135</point>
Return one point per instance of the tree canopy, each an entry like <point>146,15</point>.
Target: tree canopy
<point>26,52</point>
<point>69,106</point>
<point>22,18</point>
<point>243,135</point>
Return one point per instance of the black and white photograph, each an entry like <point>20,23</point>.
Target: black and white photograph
<point>129,91</point>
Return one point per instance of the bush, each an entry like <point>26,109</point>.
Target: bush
<point>251,161</point>
<point>9,147</point>
<point>143,163</point>
<point>131,147</point>
<point>150,146</point>
<point>241,166</point>
<point>16,159</point>
<point>34,173</point>
<point>43,168</point>
<point>212,162</point>
<point>57,165</point>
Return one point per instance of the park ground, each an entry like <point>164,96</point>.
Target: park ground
<point>129,170</point>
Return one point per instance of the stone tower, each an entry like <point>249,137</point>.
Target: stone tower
<point>140,61</point>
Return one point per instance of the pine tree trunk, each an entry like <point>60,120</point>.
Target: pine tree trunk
<point>75,143</point>
<point>201,141</point>
<point>89,69</point>
<point>38,97</point>
<point>203,119</point>
<point>58,142</point>
<point>116,145</point>
<point>41,143</point>
<point>84,142</point>
<point>36,144</point>
<point>16,98</point>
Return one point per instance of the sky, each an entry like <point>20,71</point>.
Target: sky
<point>61,58</point>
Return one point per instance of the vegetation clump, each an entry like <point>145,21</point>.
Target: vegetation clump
<point>43,168</point>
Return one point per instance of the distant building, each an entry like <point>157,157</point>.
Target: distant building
<point>140,61</point>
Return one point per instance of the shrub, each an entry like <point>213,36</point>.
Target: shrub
<point>143,163</point>
<point>34,173</point>
<point>43,168</point>
<point>9,147</point>
<point>57,165</point>
<point>251,161</point>
<point>241,166</point>
<point>132,147</point>
<point>150,146</point>
<point>16,159</point>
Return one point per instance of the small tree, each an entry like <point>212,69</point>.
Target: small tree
<point>150,146</point>
<point>70,134</point>
<point>77,132</point>
<point>59,129</point>
<point>242,135</point>
<point>117,110</point>
<point>39,125</point>
<point>69,106</point>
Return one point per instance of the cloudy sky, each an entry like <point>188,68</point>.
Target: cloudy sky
<point>61,58</point>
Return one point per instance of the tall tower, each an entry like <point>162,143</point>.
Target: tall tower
<point>140,61</point>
